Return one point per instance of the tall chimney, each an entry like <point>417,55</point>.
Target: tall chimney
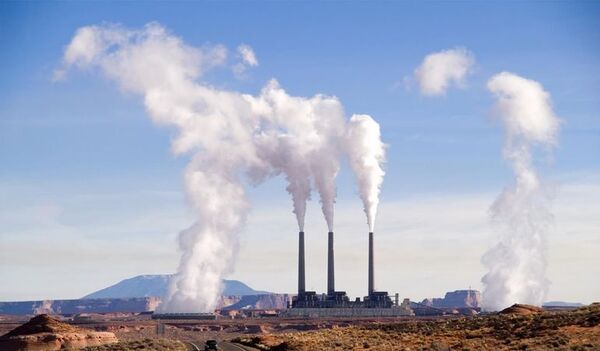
<point>301,279</point>
<point>330,269</point>
<point>371,273</point>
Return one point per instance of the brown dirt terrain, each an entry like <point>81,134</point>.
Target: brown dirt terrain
<point>523,310</point>
<point>145,344</point>
<point>46,333</point>
<point>518,328</point>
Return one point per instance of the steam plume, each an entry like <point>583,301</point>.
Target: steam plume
<point>306,147</point>
<point>517,264</point>
<point>366,153</point>
<point>230,137</point>
<point>440,69</point>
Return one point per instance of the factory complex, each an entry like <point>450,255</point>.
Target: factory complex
<point>337,303</point>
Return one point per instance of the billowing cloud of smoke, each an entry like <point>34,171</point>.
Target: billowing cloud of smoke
<point>45,307</point>
<point>366,153</point>
<point>309,149</point>
<point>231,137</point>
<point>439,69</point>
<point>517,264</point>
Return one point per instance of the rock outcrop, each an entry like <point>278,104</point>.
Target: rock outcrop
<point>521,309</point>
<point>43,332</point>
<point>456,299</point>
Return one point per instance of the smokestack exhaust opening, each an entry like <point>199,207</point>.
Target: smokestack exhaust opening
<point>301,276</point>
<point>330,268</point>
<point>371,270</point>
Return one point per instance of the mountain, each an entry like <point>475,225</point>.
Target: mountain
<point>156,285</point>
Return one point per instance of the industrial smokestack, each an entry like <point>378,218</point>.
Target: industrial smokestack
<point>301,278</point>
<point>330,269</point>
<point>371,273</point>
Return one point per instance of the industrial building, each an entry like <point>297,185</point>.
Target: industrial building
<point>185,316</point>
<point>337,303</point>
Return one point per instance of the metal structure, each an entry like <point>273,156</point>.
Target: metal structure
<point>301,276</point>
<point>330,266</point>
<point>184,316</point>
<point>371,283</point>
<point>304,298</point>
<point>338,299</point>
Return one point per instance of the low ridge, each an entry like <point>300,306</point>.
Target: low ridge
<point>522,309</point>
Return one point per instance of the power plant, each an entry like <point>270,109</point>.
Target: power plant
<point>337,303</point>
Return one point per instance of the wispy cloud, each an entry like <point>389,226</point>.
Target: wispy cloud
<point>247,59</point>
<point>441,69</point>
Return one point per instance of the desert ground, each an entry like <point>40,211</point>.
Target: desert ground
<point>517,328</point>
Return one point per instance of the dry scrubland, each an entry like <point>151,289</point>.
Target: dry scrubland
<point>520,328</point>
<point>517,328</point>
<point>145,344</point>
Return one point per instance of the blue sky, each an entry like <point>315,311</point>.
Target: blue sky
<point>84,159</point>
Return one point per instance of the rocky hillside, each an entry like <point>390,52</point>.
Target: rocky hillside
<point>45,333</point>
<point>522,310</point>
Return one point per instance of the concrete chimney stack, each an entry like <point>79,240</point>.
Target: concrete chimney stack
<point>330,268</point>
<point>301,277</point>
<point>371,271</point>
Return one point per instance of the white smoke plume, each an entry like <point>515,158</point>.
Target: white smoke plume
<point>439,69</point>
<point>517,264</point>
<point>309,147</point>
<point>366,153</point>
<point>231,137</point>
<point>45,307</point>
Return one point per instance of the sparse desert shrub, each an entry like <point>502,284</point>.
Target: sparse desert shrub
<point>145,344</point>
<point>541,331</point>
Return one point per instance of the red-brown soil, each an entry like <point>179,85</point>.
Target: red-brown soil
<point>522,310</point>
<point>46,333</point>
<point>524,329</point>
<point>556,330</point>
